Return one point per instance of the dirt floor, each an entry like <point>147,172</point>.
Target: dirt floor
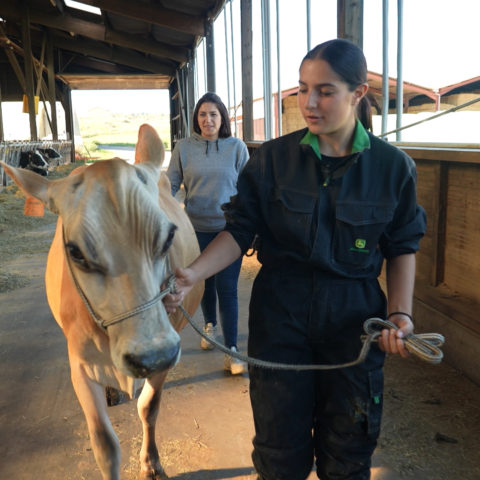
<point>430,429</point>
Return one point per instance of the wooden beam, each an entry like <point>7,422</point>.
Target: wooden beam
<point>210,54</point>
<point>156,15</point>
<point>91,49</point>
<point>116,82</point>
<point>96,31</point>
<point>190,88</point>
<point>41,66</point>
<point>350,21</point>
<point>28,60</point>
<point>2,135</point>
<point>97,65</point>
<point>16,67</point>
<point>66,98</point>
<point>131,59</point>
<point>439,223</point>
<point>9,52</point>
<point>178,54</point>
<point>52,94</point>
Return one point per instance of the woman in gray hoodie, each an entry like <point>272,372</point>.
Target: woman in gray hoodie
<point>208,164</point>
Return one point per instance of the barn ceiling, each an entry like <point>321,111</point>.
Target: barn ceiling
<point>129,44</point>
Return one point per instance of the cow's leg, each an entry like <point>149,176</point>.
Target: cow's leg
<point>105,444</point>
<point>148,406</point>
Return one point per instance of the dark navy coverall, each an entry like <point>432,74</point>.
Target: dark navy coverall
<point>324,226</point>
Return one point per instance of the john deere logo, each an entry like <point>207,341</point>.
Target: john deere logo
<point>359,246</point>
<point>360,243</point>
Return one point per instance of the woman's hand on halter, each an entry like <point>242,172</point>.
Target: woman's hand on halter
<point>185,280</point>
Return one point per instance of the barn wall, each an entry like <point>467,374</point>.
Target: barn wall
<point>291,117</point>
<point>447,297</point>
<point>449,101</point>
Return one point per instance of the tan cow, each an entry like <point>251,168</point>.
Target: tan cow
<point>119,234</point>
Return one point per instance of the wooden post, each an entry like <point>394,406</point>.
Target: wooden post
<point>350,21</point>
<point>210,53</point>
<point>28,59</point>
<point>190,87</point>
<point>174,113</point>
<point>52,94</point>
<point>2,135</point>
<point>438,222</point>
<point>67,106</point>
<point>247,77</point>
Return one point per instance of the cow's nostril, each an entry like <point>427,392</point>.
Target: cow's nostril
<point>136,365</point>
<point>145,364</point>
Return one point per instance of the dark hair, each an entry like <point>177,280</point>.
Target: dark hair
<point>348,62</point>
<point>225,129</point>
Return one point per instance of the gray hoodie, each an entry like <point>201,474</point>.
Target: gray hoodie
<point>209,172</point>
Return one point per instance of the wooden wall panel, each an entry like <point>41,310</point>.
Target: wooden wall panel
<point>426,194</point>
<point>462,259</point>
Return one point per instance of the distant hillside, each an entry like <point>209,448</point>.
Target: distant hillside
<point>100,126</point>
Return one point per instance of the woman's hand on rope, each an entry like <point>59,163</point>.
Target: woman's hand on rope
<point>391,340</point>
<point>184,281</point>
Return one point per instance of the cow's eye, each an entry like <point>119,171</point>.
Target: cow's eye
<point>76,255</point>
<point>169,240</point>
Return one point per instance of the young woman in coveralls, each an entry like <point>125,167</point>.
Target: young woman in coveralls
<point>329,204</point>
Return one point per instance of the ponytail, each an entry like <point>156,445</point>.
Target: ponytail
<point>364,113</point>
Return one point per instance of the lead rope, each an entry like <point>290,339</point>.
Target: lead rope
<point>426,346</point>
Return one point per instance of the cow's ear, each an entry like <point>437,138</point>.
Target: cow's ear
<point>149,150</point>
<point>29,182</point>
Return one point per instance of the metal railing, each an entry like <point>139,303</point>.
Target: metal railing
<point>433,117</point>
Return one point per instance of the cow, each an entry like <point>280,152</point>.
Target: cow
<point>34,161</point>
<point>119,235</point>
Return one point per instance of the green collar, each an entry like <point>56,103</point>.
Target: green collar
<point>361,141</point>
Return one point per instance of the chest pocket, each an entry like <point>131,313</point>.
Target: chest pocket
<point>358,228</point>
<point>290,218</point>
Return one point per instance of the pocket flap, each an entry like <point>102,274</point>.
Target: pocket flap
<point>363,214</point>
<point>295,201</point>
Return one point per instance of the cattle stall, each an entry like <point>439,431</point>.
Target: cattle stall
<point>53,153</point>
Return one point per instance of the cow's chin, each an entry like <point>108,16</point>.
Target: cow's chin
<point>144,358</point>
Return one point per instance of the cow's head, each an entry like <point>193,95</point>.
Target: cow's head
<point>116,240</point>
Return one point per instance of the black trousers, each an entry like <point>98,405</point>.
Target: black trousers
<point>302,316</point>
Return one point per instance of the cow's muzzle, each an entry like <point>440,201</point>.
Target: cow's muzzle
<point>146,364</point>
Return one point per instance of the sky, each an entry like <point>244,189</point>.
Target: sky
<point>440,38</point>
<point>439,45</point>
<point>118,101</point>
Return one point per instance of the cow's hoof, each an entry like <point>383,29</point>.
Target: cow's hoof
<point>153,475</point>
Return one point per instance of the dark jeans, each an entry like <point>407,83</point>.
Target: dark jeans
<point>303,317</point>
<point>224,284</point>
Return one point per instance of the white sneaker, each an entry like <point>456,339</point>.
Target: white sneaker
<point>234,365</point>
<point>210,330</point>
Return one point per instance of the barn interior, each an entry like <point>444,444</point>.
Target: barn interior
<point>48,49</point>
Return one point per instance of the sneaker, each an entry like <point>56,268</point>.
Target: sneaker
<point>210,330</point>
<point>234,365</point>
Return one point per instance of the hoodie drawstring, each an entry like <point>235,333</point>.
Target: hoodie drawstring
<point>207,142</point>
